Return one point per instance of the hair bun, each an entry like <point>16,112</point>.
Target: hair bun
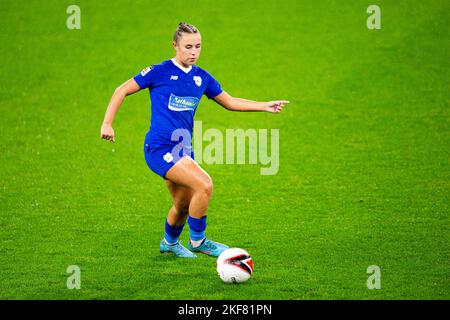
<point>184,27</point>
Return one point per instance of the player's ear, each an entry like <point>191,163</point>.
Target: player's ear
<point>174,44</point>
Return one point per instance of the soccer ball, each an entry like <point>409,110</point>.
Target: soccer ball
<point>234,265</point>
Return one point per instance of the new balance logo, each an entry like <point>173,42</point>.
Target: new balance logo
<point>173,77</point>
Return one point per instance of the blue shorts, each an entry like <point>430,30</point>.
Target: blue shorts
<point>161,157</point>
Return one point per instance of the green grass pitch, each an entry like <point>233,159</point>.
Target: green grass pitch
<point>364,150</point>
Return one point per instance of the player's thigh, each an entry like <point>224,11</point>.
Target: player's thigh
<point>181,196</point>
<point>187,173</point>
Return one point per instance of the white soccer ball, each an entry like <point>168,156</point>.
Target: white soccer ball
<point>234,265</point>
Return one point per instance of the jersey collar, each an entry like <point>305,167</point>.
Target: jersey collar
<point>186,70</point>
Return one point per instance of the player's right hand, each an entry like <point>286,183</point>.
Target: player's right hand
<point>107,132</point>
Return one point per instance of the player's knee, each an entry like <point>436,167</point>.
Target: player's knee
<point>206,188</point>
<point>182,207</point>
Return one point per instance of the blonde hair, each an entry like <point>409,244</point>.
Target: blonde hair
<point>184,27</point>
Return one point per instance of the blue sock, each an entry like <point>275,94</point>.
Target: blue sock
<point>172,233</point>
<point>197,228</point>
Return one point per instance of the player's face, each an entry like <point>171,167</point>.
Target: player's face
<point>188,48</point>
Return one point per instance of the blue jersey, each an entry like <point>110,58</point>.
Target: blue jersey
<point>175,93</point>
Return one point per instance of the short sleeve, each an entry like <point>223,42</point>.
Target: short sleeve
<point>146,78</point>
<point>213,87</point>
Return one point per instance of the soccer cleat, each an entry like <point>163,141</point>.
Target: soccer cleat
<point>177,249</point>
<point>209,247</point>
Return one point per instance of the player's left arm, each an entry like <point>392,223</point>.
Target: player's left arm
<point>239,104</point>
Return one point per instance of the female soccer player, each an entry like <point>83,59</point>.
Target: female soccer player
<point>176,87</point>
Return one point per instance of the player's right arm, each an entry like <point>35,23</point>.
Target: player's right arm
<point>127,88</point>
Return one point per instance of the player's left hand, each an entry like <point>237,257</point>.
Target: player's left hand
<point>276,106</point>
